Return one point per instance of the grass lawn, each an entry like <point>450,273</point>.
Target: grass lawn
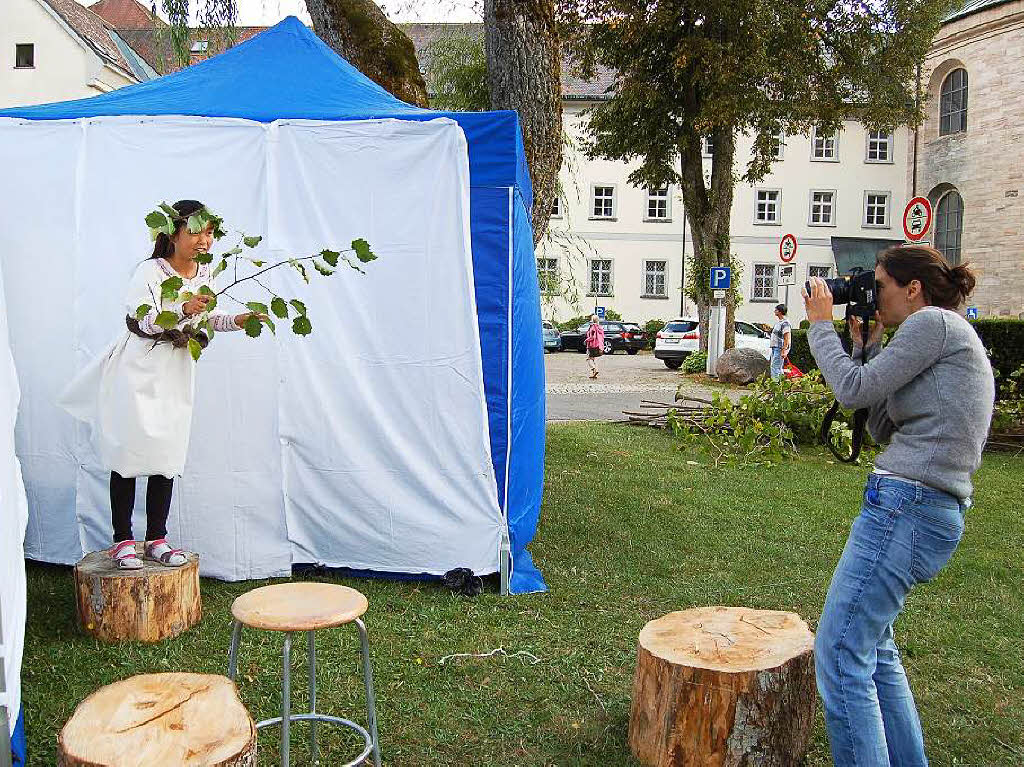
<point>631,529</point>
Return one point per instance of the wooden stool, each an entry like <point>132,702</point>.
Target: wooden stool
<point>723,685</point>
<point>292,607</point>
<point>157,719</point>
<point>150,604</point>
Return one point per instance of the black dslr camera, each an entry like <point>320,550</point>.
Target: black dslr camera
<point>856,290</point>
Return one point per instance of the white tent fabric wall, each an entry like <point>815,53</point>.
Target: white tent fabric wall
<point>13,518</point>
<point>332,441</point>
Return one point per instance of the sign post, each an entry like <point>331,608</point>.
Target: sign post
<point>599,311</point>
<point>721,279</point>
<point>787,277</point>
<point>787,272</point>
<point>917,219</point>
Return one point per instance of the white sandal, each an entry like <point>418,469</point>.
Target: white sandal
<point>125,556</point>
<point>160,551</point>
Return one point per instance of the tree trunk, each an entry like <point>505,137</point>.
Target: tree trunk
<point>708,211</point>
<point>360,32</point>
<point>725,686</point>
<point>524,68</point>
<point>148,605</point>
<point>160,719</point>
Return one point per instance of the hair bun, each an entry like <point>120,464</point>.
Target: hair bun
<point>963,278</point>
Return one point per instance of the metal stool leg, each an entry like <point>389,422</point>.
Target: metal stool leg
<point>236,634</point>
<point>312,693</point>
<point>286,699</point>
<point>371,704</point>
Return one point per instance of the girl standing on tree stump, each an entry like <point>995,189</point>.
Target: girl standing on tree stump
<point>138,394</point>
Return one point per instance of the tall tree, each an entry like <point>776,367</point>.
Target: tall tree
<point>524,73</point>
<point>721,68</point>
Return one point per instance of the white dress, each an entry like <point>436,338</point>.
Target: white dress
<point>138,396</point>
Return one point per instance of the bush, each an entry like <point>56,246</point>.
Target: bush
<point>651,330</point>
<point>696,363</point>
<point>800,352</point>
<point>1004,339</point>
<point>804,324</point>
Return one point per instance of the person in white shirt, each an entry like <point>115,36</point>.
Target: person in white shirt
<point>782,339</point>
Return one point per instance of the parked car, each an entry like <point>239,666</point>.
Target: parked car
<point>636,339</point>
<point>681,337</point>
<point>552,341</point>
<point>616,336</point>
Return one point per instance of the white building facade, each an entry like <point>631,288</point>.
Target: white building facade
<point>622,247</point>
<point>53,50</point>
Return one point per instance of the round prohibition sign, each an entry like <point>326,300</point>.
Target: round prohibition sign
<point>917,219</point>
<point>787,248</point>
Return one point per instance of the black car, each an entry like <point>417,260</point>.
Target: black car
<point>616,336</point>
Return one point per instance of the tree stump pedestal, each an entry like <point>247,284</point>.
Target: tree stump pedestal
<point>724,686</point>
<point>154,603</point>
<point>160,719</point>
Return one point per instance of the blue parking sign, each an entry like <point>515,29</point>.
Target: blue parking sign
<point>599,311</point>
<point>721,276</point>
<point>972,312</point>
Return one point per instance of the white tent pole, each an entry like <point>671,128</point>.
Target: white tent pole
<point>6,756</point>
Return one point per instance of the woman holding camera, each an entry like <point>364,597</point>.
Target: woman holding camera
<point>930,394</point>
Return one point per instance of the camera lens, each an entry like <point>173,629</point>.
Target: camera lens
<point>840,287</point>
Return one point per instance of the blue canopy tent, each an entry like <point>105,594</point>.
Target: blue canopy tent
<point>288,73</point>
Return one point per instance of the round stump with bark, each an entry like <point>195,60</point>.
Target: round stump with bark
<point>160,719</point>
<point>150,604</point>
<point>723,686</point>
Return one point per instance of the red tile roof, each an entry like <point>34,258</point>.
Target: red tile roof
<point>91,29</point>
<point>125,14</point>
<point>154,44</point>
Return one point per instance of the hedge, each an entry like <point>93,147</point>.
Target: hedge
<point>1004,338</point>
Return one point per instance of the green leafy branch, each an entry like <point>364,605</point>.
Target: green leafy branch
<point>326,262</point>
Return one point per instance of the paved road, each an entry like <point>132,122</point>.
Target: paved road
<point>623,382</point>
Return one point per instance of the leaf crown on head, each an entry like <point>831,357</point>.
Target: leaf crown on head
<point>165,218</point>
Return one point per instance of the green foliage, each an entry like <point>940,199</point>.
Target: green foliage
<point>253,326</point>
<point>167,320</point>
<point>252,242</point>
<point>1004,339</point>
<point>279,307</point>
<point>362,250</point>
<point>142,311</point>
<point>697,362</point>
<point>765,425</point>
<point>456,73</point>
<point>1009,409</point>
<point>194,348</point>
<point>804,324</point>
<point>651,330</point>
<point>800,351</point>
<point>302,326</point>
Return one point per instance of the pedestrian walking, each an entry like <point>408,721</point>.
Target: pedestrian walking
<point>595,344</point>
<point>782,339</point>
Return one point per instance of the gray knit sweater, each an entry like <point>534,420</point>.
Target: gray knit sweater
<point>930,392</point>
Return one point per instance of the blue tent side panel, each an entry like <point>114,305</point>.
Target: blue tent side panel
<point>18,745</point>
<point>526,465</point>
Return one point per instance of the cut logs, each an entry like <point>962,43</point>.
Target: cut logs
<point>160,719</point>
<point>150,604</point>
<point>723,686</point>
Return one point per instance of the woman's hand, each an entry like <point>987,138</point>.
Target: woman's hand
<point>819,303</point>
<point>196,305</point>
<point>875,335</point>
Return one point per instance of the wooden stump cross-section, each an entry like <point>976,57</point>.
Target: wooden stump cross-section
<point>724,686</point>
<point>154,603</point>
<point>160,719</point>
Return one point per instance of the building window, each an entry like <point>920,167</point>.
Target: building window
<point>654,278</point>
<point>763,285</point>
<point>876,209</point>
<point>823,207</point>
<point>547,274</point>
<point>779,144</point>
<point>603,202</point>
<point>658,205</point>
<point>949,225</point>
<point>766,207</point>
<point>601,277</point>
<point>707,146</point>
<point>24,55</point>
<point>819,270</point>
<point>824,147</point>
<point>556,208</point>
<point>879,146</point>
<point>953,103</point>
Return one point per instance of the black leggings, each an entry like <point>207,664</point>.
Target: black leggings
<point>122,501</point>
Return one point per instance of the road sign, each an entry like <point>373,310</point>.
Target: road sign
<point>787,274</point>
<point>721,277</point>
<point>718,294</point>
<point>917,218</point>
<point>972,312</point>
<point>787,248</point>
<point>599,311</point>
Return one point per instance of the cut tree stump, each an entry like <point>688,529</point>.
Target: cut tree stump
<point>160,719</point>
<point>723,686</point>
<point>150,604</point>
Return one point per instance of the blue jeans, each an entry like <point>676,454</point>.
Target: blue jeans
<point>776,363</point>
<point>904,535</point>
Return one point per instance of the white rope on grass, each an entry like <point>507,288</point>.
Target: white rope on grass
<point>527,656</point>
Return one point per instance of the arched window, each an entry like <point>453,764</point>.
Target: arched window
<point>949,225</point>
<point>953,103</point>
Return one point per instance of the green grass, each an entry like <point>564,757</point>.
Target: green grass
<point>631,529</point>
